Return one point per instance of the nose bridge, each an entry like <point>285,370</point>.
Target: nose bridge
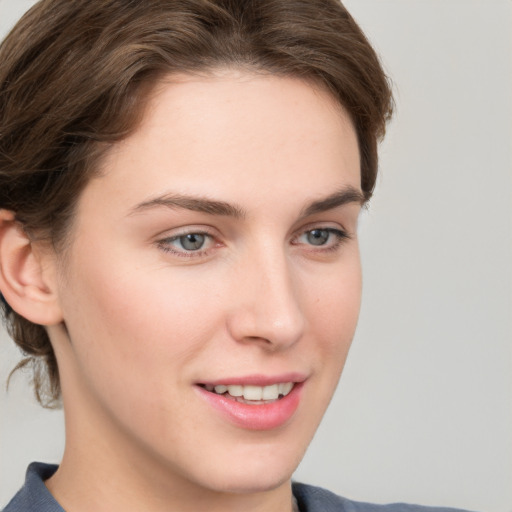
<point>269,302</point>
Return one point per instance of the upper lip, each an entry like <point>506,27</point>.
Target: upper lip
<point>256,380</point>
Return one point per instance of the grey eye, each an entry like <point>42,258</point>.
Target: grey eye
<point>318,236</point>
<point>192,241</point>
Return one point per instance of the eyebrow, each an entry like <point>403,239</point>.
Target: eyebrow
<point>196,204</point>
<point>344,196</point>
<point>339,198</point>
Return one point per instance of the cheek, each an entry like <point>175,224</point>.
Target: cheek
<point>333,314</point>
<point>334,308</point>
<point>134,336</point>
<point>133,325</point>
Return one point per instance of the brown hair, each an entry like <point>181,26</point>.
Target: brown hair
<point>74,76</point>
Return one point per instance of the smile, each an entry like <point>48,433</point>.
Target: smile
<point>254,402</point>
<point>252,395</point>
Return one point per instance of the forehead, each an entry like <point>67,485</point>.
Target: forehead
<point>241,104</point>
<point>234,133</point>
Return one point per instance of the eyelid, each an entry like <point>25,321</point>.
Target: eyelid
<point>185,230</point>
<point>330,226</point>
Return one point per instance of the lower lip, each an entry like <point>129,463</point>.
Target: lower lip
<point>255,417</point>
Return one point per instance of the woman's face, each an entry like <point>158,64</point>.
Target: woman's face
<point>212,285</point>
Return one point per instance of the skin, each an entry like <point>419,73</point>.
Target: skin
<point>142,320</point>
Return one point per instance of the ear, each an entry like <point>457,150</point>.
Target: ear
<point>27,274</point>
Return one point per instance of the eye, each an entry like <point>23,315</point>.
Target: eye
<point>187,244</point>
<point>323,238</point>
<point>318,236</point>
<point>192,241</point>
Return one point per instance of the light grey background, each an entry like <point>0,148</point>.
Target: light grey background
<point>424,409</point>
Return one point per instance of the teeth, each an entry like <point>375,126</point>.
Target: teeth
<point>285,388</point>
<point>270,392</point>
<point>235,390</point>
<point>254,393</point>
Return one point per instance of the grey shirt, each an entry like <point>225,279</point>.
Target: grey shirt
<point>35,497</point>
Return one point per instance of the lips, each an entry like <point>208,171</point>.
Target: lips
<point>254,403</point>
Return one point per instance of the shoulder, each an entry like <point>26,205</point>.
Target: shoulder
<point>316,499</point>
<point>34,496</point>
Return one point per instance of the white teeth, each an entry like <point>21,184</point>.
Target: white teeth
<point>270,392</point>
<point>235,390</point>
<point>254,393</point>
<point>285,388</point>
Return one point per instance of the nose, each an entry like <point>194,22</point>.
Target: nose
<point>266,302</point>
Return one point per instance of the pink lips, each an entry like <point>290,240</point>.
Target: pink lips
<point>263,416</point>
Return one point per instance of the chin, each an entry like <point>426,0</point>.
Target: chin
<point>250,483</point>
<point>261,471</point>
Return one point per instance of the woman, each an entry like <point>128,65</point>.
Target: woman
<point>180,184</point>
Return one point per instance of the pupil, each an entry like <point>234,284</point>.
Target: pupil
<point>192,242</point>
<point>318,236</point>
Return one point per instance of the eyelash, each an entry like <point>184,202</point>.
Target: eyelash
<point>340,237</point>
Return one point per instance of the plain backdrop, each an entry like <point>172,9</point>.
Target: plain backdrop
<point>423,412</point>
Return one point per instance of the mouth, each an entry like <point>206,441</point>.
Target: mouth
<point>250,394</point>
<point>255,402</point>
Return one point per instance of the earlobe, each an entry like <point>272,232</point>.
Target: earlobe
<point>26,281</point>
